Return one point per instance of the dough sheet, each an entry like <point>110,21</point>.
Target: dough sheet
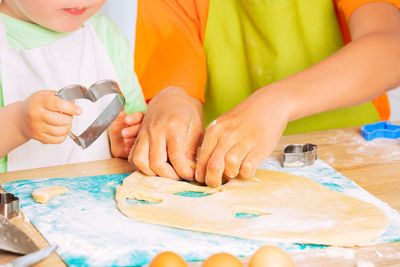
<point>285,208</point>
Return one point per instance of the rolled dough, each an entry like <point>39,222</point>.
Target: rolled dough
<point>44,194</point>
<point>292,209</point>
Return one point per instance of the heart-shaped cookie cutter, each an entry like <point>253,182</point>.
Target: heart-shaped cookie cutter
<point>94,93</point>
<point>299,155</point>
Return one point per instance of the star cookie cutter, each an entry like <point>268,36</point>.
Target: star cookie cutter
<point>9,205</point>
<point>299,155</point>
<point>382,129</point>
<point>94,93</point>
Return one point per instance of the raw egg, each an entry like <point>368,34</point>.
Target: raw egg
<point>168,259</point>
<point>270,256</point>
<point>222,260</point>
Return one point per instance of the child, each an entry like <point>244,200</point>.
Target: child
<point>256,69</point>
<point>46,45</point>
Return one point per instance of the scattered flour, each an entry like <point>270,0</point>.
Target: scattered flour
<point>361,151</point>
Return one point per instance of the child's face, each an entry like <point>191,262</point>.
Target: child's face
<point>57,15</point>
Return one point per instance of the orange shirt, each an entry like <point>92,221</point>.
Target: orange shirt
<point>169,45</point>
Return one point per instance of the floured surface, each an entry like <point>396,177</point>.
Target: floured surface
<point>359,150</point>
<point>91,231</point>
<point>292,209</point>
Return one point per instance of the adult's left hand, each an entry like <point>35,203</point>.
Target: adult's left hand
<point>239,140</point>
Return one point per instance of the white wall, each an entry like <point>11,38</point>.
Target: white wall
<point>394,97</point>
<point>123,12</point>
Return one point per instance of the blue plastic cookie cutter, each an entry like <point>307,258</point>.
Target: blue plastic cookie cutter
<point>382,129</point>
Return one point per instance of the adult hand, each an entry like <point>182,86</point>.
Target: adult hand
<point>46,117</point>
<point>123,132</point>
<point>236,142</point>
<point>169,135</point>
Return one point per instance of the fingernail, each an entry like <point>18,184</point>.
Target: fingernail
<point>212,123</point>
<point>234,175</point>
<point>211,185</point>
<point>124,132</point>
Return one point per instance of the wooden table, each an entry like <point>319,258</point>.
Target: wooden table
<point>373,165</point>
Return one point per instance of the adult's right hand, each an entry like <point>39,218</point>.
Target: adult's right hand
<point>169,136</point>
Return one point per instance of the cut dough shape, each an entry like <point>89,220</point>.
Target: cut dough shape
<point>292,209</point>
<point>44,194</point>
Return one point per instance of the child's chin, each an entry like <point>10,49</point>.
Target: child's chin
<point>65,28</point>
<point>69,29</point>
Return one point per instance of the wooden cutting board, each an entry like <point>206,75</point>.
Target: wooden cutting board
<point>343,149</point>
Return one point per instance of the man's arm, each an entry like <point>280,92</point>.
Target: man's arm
<point>171,66</point>
<point>360,71</point>
<point>169,46</point>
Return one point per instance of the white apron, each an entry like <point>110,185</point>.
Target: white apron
<point>78,58</point>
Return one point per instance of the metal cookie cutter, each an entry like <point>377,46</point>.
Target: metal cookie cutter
<point>94,93</point>
<point>299,155</point>
<point>9,205</point>
<point>13,239</point>
<point>382,129</point>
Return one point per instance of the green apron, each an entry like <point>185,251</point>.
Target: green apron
<point>252,43</point>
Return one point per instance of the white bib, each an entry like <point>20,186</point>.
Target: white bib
<point>78,58</point>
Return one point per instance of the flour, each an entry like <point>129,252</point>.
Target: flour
<point>91,231</point>
<point>344,256</point>
<point>362,263</point>
<point>361,151</point>
<point>294,164</point>
<point>381,255</point>
<point>329,252</point>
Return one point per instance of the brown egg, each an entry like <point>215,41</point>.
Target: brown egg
<point>222,260</point>
<point>168,259</point>
<point>270,256</point>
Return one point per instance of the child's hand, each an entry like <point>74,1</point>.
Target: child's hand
<point>123,132</point>
<point>47,118</point>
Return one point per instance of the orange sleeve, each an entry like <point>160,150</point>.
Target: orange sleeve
<point>169,46</point>
<point>344,9</point>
